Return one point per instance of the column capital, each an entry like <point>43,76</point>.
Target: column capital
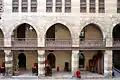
<point>7,51</point>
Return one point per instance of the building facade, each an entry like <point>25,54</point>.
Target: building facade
<point>79,32</point>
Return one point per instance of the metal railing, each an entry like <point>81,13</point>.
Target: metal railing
<point>52,42</point>
<point>92,43</point>
<point>116,42</point>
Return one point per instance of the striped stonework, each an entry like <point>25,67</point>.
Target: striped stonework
<point>8,63</point>
<point>41,63</point>
<point>75,60</point>
<point>108,63</point>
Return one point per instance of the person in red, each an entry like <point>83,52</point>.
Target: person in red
<point>3,65</point>
<point>35,68</point>
<point>35,65</point>
<point>2,69</point>
<point>78,74</point>
<point>47,63</point>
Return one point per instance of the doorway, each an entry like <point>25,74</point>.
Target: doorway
<point>22,60</point>
<point>51,58</point>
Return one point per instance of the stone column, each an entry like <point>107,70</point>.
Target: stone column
<point>41,63</point>
<point>75,61</point>
<point>88,5</point>
<point>8,63</point>
<point>54,5</point>
<point>108,63</point>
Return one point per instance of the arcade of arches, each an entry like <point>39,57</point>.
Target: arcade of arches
<point>88,60</point>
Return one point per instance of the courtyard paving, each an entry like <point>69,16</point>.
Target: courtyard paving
<point>60,76</point>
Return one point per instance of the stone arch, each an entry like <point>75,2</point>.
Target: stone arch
<point>95,26</point>
<point>22,22</point>
<point>61,25</point>
<point>25,24</point>
<point>92,21</point>
<point>67,25</point>
<point>116,27</point>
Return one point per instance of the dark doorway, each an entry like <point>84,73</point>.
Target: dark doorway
<point>81,59</point>
<point>51,58</point>
<point>116,53</point>
<point>22,60</point>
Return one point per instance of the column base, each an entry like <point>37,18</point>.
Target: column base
<point>41,76</point>
<point>108,74</point>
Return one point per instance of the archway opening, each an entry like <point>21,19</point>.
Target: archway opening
<point>91,36</point>
<point>116,39</point>
<point>22,60</point>
<point>81,60</point>
<point>58,35</point>
<point>51,58</point>
<point>24,35</point>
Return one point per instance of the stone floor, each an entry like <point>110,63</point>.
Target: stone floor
<point>56,75</point>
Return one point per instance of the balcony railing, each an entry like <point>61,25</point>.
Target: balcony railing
<point>116,42</point>
<point>1,42</point>
<point>52,42</point>
<point>92,43</point>
<point>24,42</point>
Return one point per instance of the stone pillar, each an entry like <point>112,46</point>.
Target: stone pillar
<point>87,3</point>
<point>7,41</point>
<point>54,5</point>
<point>8,63</point>
<point>20,6</point>
<point>97,6</point>
<point>108,63</point>
<point>63,6</point>
<point>75,61</point>
<point>41,63</point>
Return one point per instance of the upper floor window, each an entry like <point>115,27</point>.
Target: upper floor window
<point>33,5</point>
<point>49,5</point>
<point>67,5</point>
<point>24,5</point>
<point>118,6</point>
<point>82,5</point>
<point>101,6</point>
<point>58,6</point>
<point>15,5</point>
<point>92,6</point>
<point>1,5</point>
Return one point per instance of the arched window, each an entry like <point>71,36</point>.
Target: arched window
<point>81,59</point>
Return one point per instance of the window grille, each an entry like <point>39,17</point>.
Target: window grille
<point>33,5</point>
<point>67,5</point>
<point>24,6</point>
<point>58,6</point>
<point>101,6</point>
<point>15,5</point>
<point>83,6</point>
<point>92,6</point>
<point>49,5</point>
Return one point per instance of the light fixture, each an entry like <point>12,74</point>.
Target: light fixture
<point>30,28</point>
